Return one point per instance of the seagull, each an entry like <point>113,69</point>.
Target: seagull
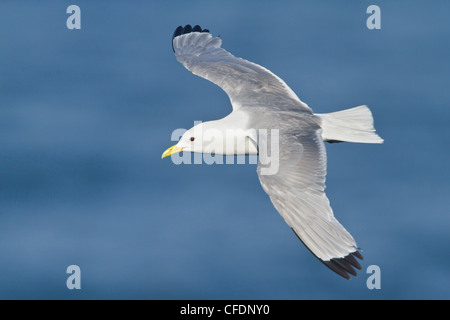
<point>272,122</point>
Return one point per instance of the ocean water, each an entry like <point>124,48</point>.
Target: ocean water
<point>86,114</point>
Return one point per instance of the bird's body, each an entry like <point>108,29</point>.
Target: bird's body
<point>270,120</point>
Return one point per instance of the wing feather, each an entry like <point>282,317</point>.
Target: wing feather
<point>297,191</point>
<point>245,82</point>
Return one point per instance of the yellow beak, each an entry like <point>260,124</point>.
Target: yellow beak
<point>171,151</point>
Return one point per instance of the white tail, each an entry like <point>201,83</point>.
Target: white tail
<point>352,125</point>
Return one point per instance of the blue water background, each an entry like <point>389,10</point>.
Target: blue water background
<point>85,115</point>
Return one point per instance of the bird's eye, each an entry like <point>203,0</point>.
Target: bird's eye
<point>192,139</point>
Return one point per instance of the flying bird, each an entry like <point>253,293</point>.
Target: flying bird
<point>274,123</point>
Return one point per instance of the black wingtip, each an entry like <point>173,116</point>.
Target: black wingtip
<point>178,31</point>
<point>187,29</point>
<point>197,28</point>
<point>342,266</point>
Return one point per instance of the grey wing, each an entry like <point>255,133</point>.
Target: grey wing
<point>246,83</point>
<point>297,190</point>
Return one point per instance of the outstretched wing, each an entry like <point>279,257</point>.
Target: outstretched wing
<point>297,192</point>
<point>246,83</point>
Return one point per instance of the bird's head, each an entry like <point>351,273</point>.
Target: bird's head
<point>202,138</point>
